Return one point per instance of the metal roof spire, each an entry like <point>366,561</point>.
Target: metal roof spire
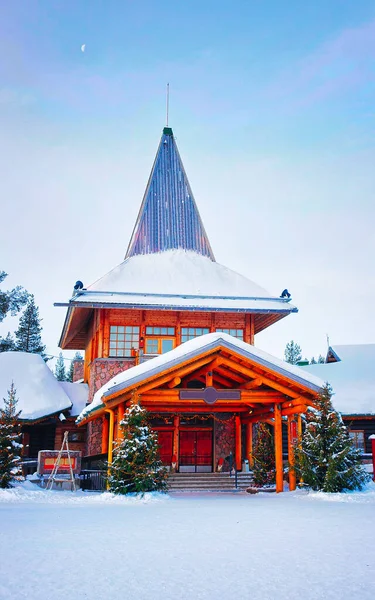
<point>168,218</point>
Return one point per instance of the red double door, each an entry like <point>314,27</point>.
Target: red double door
<point>195,451</point>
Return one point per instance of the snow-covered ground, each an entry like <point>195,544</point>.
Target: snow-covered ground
<point>64,546</point>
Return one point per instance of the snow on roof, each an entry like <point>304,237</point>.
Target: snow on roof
<point>38,391</point>
<point>180,278</point>
<point>352,378</point>
<point>78,393</point>
<point>363,352</point>
<point>189,350</point>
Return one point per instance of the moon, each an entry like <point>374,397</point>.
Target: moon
<point>83,47</point>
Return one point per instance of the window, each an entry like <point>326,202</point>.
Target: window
<point>237,333</point>
<point>122,339</point>
<point>159,340</point>
<point>358,439</point>
<point>189,333</point>
<point>160,330</point>
<point>76,436</point>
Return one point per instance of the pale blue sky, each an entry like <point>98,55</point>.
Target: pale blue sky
<point>273,108</point>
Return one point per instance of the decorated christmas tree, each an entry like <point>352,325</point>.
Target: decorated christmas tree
<point>136,465</point>
<point>326,459</point>
<point>10,433</point>
<point>264,457</point>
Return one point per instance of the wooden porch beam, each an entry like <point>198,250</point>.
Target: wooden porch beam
<point>265,380</point>
<point>174,382</point>
<point>252,384</point>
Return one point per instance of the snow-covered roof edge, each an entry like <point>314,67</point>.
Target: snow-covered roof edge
<point>189,350</point>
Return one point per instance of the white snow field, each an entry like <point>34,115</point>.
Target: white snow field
<point>64,546</point>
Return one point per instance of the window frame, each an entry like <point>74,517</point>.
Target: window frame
<point>186,333</point>
<point>129,344</point>
<point>354,439</point>
<point>229,329</point>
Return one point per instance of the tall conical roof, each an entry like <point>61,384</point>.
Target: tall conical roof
<point>168,218</point>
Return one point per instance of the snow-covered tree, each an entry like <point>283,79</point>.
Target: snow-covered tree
<point>321,359</point>
<point>77,356</point>
<point>326,459</point>
<point>10,433</point>
<point>12,300</point>
<point>7,344</point>
<point>60,372</point>
<point>313,361</point>
<point>263,456</point>
<point>136,465</point>
<point>28,334</point>
<point>292,353</point>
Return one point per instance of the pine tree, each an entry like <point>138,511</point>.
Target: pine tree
<point>12,300</point>
<point>264,457</point>
<point>313,361</point>
<point>10,432</point>
<point>293,353</point>
<point>60,372</point>
<point>7,344</point>
<point>77,356</point>
<point>28,334</point>
<point>321,359</point>
<point>326,459</point>
<point>136,465</point>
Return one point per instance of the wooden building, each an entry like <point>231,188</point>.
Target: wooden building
<point>48,407</point>
<point>350,371</point>
<point>174,329</point>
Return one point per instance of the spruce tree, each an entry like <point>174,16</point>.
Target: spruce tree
<point>77,356</point>
<point>136,465</point>
<point>7,344</point>
<point>292,353</point>
<point>28,334</point>
<point>10,433</point>
<point>60,372</point>
<point>325,457</point>
<point>264,457</point>
<point>12,300</point>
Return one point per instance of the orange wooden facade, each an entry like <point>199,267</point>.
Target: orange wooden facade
<point>265,395</point>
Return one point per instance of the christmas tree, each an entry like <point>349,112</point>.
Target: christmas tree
<point>293,353</point>
<point>77,356</point>
<point>10,432</point>
<point>136,465</point>
<point>60,372</point>
<point>325,458</point>
<point>28,338</point>
<point>264,457</point>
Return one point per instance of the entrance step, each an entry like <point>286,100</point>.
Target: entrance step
<point>213,482</point>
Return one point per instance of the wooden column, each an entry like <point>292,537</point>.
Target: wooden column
<point>104,435</point>
<point>100,333</point>
<point>105,349</point>
<point>249,443</point>
<point>209,379</point>
<point>299,434</point>
<point>176,435</point>
<point>292,430</point>
<point>252,329</point>
<point>120,416</point>
<point>278,448</point>
<point>238,451</point>
<point>110,434</point>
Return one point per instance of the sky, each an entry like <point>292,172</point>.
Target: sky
<point>273,107</point>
